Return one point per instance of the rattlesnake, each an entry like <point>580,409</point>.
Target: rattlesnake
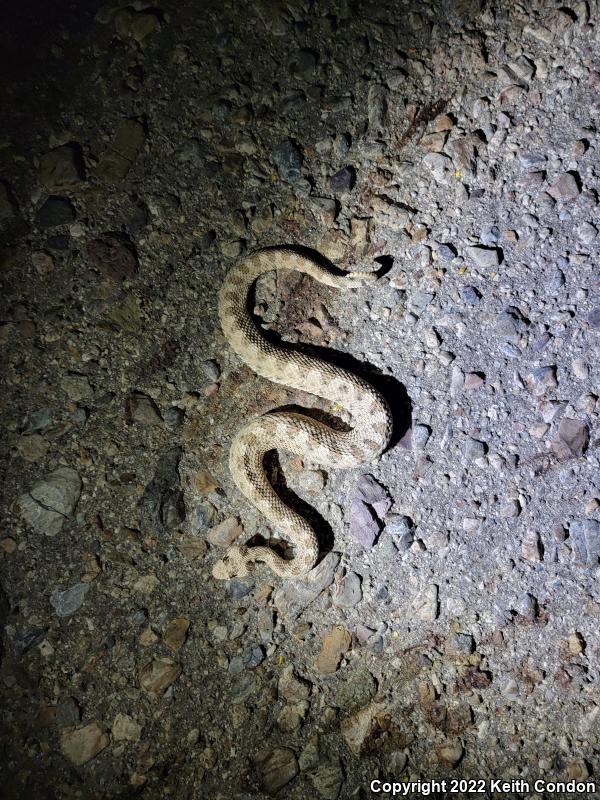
<point>289,431</point>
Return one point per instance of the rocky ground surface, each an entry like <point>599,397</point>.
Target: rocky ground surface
<point>451,627</point>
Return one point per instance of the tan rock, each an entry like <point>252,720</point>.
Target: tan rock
<point>192,547</point>
<point>443,123</point>
<point>175,633</point>
<point>434,142</point>
<point>147,637</point>
<point>425,605</point>
<point>157,675</point>
<point>531,546</point>
<point>358,727</point>
<point>225,533</point>
<point>292,688</point>
<point>32,447</point>
<point>275,767</point>
<point>9,545</point>
<point>142,409</point>
<point>92,567</point>
<point>575,644</point>
<point>577,771</point>
<point>335,643</point>
<point>80,745</point>
<point>146,584</point>
<point>126,728</point>
<point>290,718</point>
<point>204,483</point>
<point>450,753</point>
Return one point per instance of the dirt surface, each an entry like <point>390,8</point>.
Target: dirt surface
<point>450,629</point>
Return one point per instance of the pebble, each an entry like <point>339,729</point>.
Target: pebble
<point>580,368</point>
<point>446,252</point>
<point>531,546</point>
<point>584,537</point>
<point>124,728</point>
<point>303,62</point>
<point>157,675</point>
<point>353,688</point>
<point>439,165</point>
<point>540,380</point>
<point>40,519</point>
<point>69,600</point>
<point>54,212</point>
<point>9,209</point>
<point>346,592</point>
<point>62,169</point>
<point>292,688</point>
<point>358,727</point>
<point>487,258</point>
<point>240,587</point>
<point>33,448</point>
<point>420,436</point>
<point>51,501</point>
<point>532,160</point>
<point>288,159</point>
<point>175,633</point>
<point>80,745</point>
<point>39,420</point>
<point>309,757</point>
<point>141,409</point>
<point>113,257</point>
<point>243,686</point>
<point>593,318</point>
<point>471,295</point>
<point>225,533</point>
<point>343,180</point>
<point>425,605</point>
<point>460,644</point>
<point>374,494</point>
<point>335,644</point>
<point>161,505</point>
<point>510,325</point>
<point>509,509</point>
<point>328,779</point>
<point>474,380</point>
<point>450,754</point>
<point>290,718</point>
<point>474,449</point>
<point>275,767</point>
<point>420,300</point>
<point>364,523</point>
<point>76,387</point>
<point>457,381</point>
<point>401,529</point>
<point>572,438</point>
<point>565,187</point>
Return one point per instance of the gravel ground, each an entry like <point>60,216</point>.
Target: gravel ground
<point>451,628</point>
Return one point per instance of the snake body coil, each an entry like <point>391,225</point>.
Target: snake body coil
<point>296,433</point>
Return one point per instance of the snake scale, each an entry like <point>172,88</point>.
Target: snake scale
<point>291,431</point>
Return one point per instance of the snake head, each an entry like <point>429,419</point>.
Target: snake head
<point>232,565</point>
